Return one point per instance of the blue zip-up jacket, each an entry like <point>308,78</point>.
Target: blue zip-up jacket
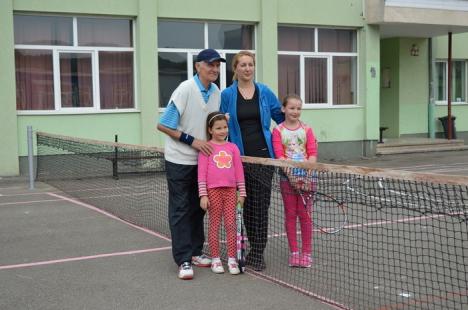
<point>270,108</point>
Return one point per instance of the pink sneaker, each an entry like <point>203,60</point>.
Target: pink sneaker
<point>294,260</point>
<point>306,260</point>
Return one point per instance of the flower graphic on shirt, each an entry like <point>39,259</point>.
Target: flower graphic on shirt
<point>223,160</point>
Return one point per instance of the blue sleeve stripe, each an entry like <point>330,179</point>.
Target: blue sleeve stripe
<point>170,117</point>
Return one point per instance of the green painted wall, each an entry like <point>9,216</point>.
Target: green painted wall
<point>369,90</point>
<point>414,96</point>
<point>330,12</point>
<point>240,10</point>
<point>147,68</point>
<point>89,126</point>
<point>101,7</point>
<point>8,135</point>
<point>331,125</point>
<point>389,96</point>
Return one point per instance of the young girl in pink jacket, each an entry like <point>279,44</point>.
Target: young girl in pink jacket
<point>220,175</point>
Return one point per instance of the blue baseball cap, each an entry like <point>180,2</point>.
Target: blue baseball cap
<point>209,55</point>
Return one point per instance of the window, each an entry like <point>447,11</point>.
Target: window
<point>318,64</point>
<point>180,41</point>
<point>458,81</point>
<point>73,64</point>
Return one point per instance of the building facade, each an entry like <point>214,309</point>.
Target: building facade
<point>94,69</point>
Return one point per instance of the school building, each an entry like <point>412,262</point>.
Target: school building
<point>93,69</point>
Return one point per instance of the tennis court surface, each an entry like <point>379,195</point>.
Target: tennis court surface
<point>60,253</point>
<point>382,239</point>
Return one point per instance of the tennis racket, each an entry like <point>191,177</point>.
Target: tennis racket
<point>329,214</point>
<point>240,238</point>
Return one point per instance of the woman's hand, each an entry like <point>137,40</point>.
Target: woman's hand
<point>204,202</point>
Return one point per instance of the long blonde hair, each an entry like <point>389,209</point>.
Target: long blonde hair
<point>235,61</point>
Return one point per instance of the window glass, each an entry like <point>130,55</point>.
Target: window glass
<point>76,80</point>
<point>229,72</point>
<point>441,81</point>
<point>43,30</point>
<point>34,80</point>
<point>172,71</point>
<point>298,39</point>
<point>336,40</point>
<point>288,75</point>
<point>315,71</point>
<point>104,32</point>
<point>459,81</point>
<point>344,77</point>
<point>116,80</point>
<point>172,34</point>
<point>230,36</point>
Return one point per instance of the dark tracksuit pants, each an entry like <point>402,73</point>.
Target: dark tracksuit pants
<point>185,214</point>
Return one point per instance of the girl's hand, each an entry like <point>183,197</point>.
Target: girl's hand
<point>204,202</point>
<point>241,200</point>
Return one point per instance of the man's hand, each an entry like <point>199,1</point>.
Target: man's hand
<point>202,146</point>
<point>204,202</point>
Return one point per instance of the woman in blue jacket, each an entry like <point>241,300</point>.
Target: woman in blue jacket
<point>251,107</point>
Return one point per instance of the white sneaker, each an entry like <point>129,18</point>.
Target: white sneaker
<point>201,261</point>
<point>185,271</point>
<point>217,266</point>
<point>233,266</point>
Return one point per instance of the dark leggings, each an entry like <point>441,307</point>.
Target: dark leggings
<point>258,180</point>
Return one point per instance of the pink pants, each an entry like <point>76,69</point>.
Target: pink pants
<point>294,208</point>
<point>223,202</point>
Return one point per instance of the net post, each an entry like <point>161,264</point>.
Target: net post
<point>30,157</point>
<point>115,167</point>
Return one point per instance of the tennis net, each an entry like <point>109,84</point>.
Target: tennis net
<point>380,239</point>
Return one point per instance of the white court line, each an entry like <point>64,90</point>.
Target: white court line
<point>81,258</point>
<point>78,190</point>
<point>76,202</point>
<point>383,222</point>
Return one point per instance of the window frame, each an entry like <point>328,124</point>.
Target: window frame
<point>329,56</point>
<point>192,52</point>
<point>75,48</point>
<point>445,102</point>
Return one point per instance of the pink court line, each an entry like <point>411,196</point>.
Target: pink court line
<point>76,202</point>
<point>80,258</point>
<point>27,202</point>
<point>330,302</point>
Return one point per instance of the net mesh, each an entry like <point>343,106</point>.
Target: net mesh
<point>380,239</point>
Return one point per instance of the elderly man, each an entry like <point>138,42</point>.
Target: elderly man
<point>184,124</point>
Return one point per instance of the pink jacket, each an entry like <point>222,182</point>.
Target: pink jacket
<point>223,168</point>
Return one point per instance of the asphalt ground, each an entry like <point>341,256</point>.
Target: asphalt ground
<point>58,253</point>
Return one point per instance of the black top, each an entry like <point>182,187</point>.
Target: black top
<point>248,115</point>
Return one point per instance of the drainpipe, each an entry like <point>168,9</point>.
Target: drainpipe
<point>431,107</point>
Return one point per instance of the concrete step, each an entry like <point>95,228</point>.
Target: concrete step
<point>383,149</point>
